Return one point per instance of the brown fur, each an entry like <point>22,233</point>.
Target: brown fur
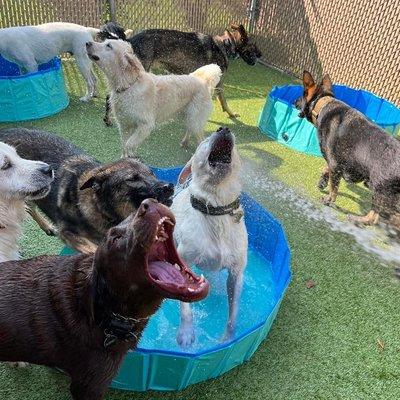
<point>55,310</point>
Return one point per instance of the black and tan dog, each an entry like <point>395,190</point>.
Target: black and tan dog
<point>82,313</point>
<point>87,198</point>
<point>355,149</point>
<point>184,52</point>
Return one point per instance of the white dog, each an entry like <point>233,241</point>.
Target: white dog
<point>29,46</point>
<point>140,99</point>
<point>20,181</point>
<point>210,230</point>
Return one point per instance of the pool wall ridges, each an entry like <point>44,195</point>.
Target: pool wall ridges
<point>280,121</point>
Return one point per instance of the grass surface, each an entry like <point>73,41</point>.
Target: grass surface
<point>338,340</point>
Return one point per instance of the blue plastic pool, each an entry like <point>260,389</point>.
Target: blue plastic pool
<point>31,96</point>
<point>160,364</point>
<point>279,118</point>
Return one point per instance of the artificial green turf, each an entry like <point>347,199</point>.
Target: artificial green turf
<point>324,343</point>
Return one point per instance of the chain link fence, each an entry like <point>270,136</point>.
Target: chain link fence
<point>357,43</point>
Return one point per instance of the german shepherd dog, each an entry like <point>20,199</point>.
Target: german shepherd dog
<point>82,313</point>
<point>355,149</point>
<point>87,198</point>
<point>181,53</point>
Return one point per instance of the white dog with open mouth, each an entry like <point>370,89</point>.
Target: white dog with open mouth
<point>140,99</point>
<point>29,46</point>
<point>21,180</point>
<point>210,230</point>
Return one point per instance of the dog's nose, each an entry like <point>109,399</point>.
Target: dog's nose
<point>146,206</point>
<point>168,188</point>
<point>89,44</point>
<point>47,170</point>
<point>223,130</point>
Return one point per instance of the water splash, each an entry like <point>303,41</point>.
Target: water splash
<point>372,239</point>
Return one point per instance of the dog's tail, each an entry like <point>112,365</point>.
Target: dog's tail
<point>210,74</point>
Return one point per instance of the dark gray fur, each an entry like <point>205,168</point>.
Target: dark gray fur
<point>87,197</point>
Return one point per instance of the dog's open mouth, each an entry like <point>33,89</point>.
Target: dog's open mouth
<point>168,272</point>
<point>38,194</point>
<point>221,149</point>
<point>93,57</point>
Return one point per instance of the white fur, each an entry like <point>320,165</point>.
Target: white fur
<point>211,242</point>
<point>17,183</point>
<point>29,46</point>
<point>141,100</point>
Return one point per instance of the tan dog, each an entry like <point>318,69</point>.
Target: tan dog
<point>141,100</point>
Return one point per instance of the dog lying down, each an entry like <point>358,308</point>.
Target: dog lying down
<point>210,230</point>
<point>140,99</point>
<point>86,311</point>
<point>87,197</point>
<point>29,46</point>
<point>20,180</point>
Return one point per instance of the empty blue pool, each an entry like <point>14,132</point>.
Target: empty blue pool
<point>279,118</point>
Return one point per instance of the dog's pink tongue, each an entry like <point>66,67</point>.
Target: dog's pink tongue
<point>165,272</point>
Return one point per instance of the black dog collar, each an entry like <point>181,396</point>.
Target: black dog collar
<point>229,209</point>
<point>120,328</point>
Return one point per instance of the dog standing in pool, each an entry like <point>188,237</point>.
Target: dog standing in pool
<point>210,230</point>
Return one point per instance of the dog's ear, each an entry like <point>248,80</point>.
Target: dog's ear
<point>129,33</point>
<point>327,82</point>
<point>129,62</point>
<point>186,171</point>
<point>239,33</point>
<point>308,80</point>
<point>94,182</point>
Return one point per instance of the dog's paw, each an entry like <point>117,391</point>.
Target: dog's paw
<point>227,336</point>
<point>107,121</point>
<point>185,144</point>
<point>18,364</point>
<point>85,99</point>
<point>326,200</point>
<point>51,232</point>
<point>185,337</point>
<point>233,115</point>
<point>322,183</point>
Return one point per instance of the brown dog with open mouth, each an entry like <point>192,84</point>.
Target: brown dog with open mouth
<point>82,313</point>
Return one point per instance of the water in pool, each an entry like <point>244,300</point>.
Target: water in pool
<point>210,315</point>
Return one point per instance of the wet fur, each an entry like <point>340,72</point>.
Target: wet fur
<point>356,150</point>
<point>141,100</point>
<point>29,46</point>
<point>17,181</point>
<point>217,242</point>
<point>52,309</point>
<point>183,52</point>
<point>87,197</point>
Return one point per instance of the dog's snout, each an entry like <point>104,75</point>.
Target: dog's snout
<point>223,130</point>
<point>89,44</point>
<point>47,170</point>
<point>146,206</point>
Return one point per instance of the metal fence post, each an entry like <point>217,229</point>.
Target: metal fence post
<point>113,10</point>
<point>253,14</point>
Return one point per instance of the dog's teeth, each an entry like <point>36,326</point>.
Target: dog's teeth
<point>190,289</point>
<point>202,279</point>
<point>176,266</point>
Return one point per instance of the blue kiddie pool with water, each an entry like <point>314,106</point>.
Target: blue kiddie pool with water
<point>279,117</point>
<point>160,364</point>
<point>31,96</point>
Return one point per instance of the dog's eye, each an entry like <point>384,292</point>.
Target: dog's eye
<point>6,164</point>
<point>109,45</point>
<point>134,178</point>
